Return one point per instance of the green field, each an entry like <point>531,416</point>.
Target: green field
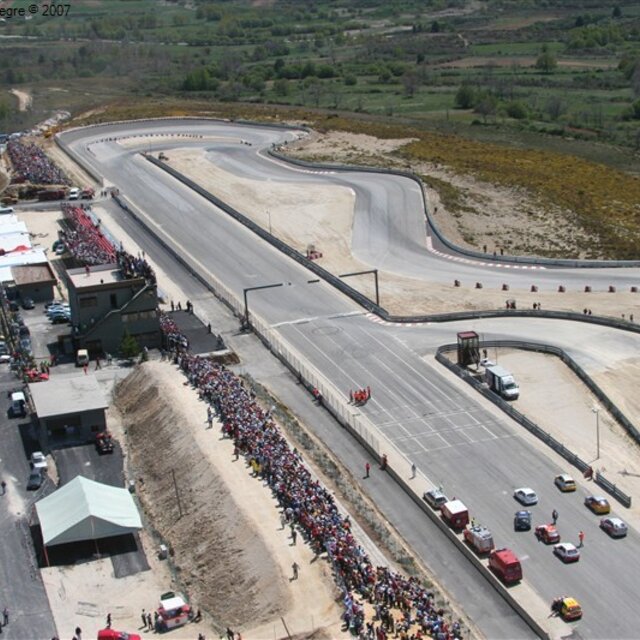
<point>568,68</point>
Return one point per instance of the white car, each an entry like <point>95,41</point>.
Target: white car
<point>615,527</point>
<point>39,460</point>
<point>526,496</point>
<point>74,193</point>
<point>567,552</point>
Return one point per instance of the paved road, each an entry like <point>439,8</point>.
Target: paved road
<point>21,588</point>
<point>443,429</point>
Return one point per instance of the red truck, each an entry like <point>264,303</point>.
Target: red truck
<point>455,514</point>
<point>52,194</point>
<point>479,538</point>
<point>505,564</point>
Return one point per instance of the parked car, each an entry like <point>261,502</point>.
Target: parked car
<point>24,331</point>
<point>597,504</point>
<point>25,345</point>
<point>13,305</point>
<point>39,460</point>
<point>567,552</point>
<point>525,496</point>
<point>547,533</point>
<point>36,478</point>
<point>565,482</point>
<point>28,303</point>
<point>58,308</point>
<point>60,318</point>
<point>615,527</point>
<point>53,303</point>
<point>435,498</point>
<point>522,521</point>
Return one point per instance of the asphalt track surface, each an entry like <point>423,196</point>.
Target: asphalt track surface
<point>443,429</point>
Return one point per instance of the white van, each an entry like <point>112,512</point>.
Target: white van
<point>18,404</point>
<point>82,358</point>
<point>6,210</point>
<point>74,193</point>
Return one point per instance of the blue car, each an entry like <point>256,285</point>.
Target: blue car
<point>522,521</point>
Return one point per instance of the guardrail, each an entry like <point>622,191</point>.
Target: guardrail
<point>531,426</point>
<point>556,262</point>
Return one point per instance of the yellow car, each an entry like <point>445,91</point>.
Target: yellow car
<point>565,482</point>
<point>597,504</point>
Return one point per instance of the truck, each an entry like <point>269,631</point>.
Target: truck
<point>51,194</point>
<point>505,564</point>
<point>479,538</point>
<point>87,194</point>
<point>455,514</point>
<point>502,382</point>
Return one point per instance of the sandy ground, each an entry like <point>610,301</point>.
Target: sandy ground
<point>326,221</point>
<point>78,176</point>
<point>25,99</point>
<point>238,567</point>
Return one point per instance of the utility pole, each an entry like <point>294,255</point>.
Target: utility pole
<point>175,486</point>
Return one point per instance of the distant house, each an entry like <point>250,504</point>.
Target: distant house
<point>105,304</point>
<point>35,281</point>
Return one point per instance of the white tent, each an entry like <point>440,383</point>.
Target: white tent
<point>86,510</point>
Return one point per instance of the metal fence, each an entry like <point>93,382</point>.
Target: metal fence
<point>531,426</point>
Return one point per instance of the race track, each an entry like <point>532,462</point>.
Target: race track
<point>437,425</point>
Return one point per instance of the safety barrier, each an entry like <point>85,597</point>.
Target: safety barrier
<point>531,426</point>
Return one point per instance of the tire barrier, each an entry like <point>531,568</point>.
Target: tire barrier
<point>587,289</point>
<point>505,287</point>
<point>634,289</point>
<point>561,289</point>
<point>478,285</point>
<point>531,426</point>
<point>534,288</point>
<point>456,283</point>
<point>612,289</point>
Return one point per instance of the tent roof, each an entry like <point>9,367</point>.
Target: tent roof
<point>86,510</point>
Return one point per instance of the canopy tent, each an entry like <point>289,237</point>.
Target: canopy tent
<point>86,510</point>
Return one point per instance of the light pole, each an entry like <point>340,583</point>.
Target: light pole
<point>597,412</point>
<point>245,324</point>
<point>360,273</point>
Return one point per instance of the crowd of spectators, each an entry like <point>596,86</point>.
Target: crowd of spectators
<point>396,604</point>
<point>88,244</point>
<point>83,238</point>
<point>135,267</point>
<point>173,338</point>
<point>31,164</point>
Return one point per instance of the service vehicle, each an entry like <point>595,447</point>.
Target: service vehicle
<point>39,461</point>
<point>505,564</point>
<point>434,498</point>
<point>567,552</point>
<point>567,608</point>
<point>104,442</point>
<point>173,611</point>
<point>51,194</point>
<point>18,406</point>
<point>526,496</point>
<point>87,194</point>
<point>565,482</point>
<point>547,533</point>
<point>479,538</point>
<point>522,521</point>
<point>615,527</point>
<point>502,382</point>
<point>597,504</point>
<point>74,193</point>
<point>455,514</point>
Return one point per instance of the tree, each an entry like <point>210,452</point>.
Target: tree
<point>486,106</point>
<point>555,107</point>
<point>465,97</point>
<point>617,12</point>
<point>546,61</point>
<point>410,82</point>
<point>129,346</point>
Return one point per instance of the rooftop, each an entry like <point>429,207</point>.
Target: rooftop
<point>30,274</point>
<point>95,276</point>
<point>69,394</point>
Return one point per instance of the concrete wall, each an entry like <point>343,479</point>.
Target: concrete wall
<point>71,429</point>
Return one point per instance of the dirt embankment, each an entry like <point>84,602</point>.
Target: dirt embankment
<point>221,559</point>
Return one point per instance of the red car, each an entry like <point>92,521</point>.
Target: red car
<point>547,533</point>
<point>112,634</point>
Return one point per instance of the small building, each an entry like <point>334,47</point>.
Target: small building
<point>84,510</point>
<point>35,281</point>
<point>105,303</point>
<point>70,410</point>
